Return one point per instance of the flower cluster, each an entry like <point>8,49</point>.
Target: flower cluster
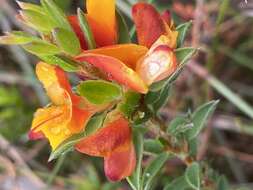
<point>114,74</point>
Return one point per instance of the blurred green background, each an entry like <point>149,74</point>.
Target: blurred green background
<point>223,69</point>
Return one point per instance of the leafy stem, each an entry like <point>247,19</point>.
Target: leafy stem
<point>156,126</point>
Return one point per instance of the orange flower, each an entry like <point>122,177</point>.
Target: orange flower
<point>133,65</point>
<point>113,142</point>
<point>136,66</point>
<point>68,112</point>
<point>150,25</point>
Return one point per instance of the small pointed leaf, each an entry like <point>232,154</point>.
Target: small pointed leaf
<point>155,100</point>
<point>135,179</point>
<point>179,183</point>
<point>182,31</point>
<point>16,38</point>
<point>153,169</point>
<point>86,29</point>
<point>222,183</point>
<point>123,32</point>
<point>153,146</point>
<point>199,118</point>
<point>99,91</point>
<point>67,41</point>
<point>63,62</point>
<point>129,103</point>
<point>37,20</point>
<point>30,6</point>
<point>192,176</point>
<point>41,48</point>
<point>56,14</point>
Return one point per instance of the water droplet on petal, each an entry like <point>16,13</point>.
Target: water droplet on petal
<point>55,130</point>
<point>67,132</point>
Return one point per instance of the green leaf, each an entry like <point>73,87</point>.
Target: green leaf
<point>123,31</point>
<point>37,20</point>
<point>86,29</point>
<point>179,183</point>
<point>63,4</point>
<point>179,125</point>
<point>16,38</point>
<point>30,6</point>
<point>183,55</point>
<point>56,14</point>
<point>153,169</point>
<point>153,146</point>
<point>67,41</point>
<point>223,183</point>
<point>99,91</point>
<point>155,100</point>
<point>68,145</point>
<point>199,118</point>
<point>129,103</point>
<point>135,179</point>
<point>41,48</point>
<point>193,147</point>
<point>163,99</point>
<point>182,31</point>
<point>192,176</point>
<point>65,63</point>
<point>95,123</point>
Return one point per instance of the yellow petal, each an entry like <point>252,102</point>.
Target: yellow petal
<point>52,122</point>
<point>46,74</point>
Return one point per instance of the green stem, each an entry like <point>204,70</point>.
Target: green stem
<point>56,170</point>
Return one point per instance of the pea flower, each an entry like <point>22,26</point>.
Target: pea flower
<point>68,112</point>
<point>134,66</point>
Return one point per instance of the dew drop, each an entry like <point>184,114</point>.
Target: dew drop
<point>55,130</point>
<point>67,132</point>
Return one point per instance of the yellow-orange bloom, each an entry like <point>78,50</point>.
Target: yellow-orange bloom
<point>66,115</point>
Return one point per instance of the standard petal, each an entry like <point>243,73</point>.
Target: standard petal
<point>121,163</point>
<point>149,24</point>
<point>49,74</point>
<point>73,20</point>
<point>117,70</point>
<point>129,54</point>
<point>112,136</point>
<point>52,122</point>
<point>101,17</point>
<point>159,63</point>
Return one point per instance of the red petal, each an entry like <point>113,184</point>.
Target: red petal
<point>116,69</point>
<point>166,16</point>
<point>35,135</point>
<point>73,20</point>
<point>149,24</point>
<point>120,164</point>
<point>115,134</point>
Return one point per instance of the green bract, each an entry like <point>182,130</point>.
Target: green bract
<point>99,91</point>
